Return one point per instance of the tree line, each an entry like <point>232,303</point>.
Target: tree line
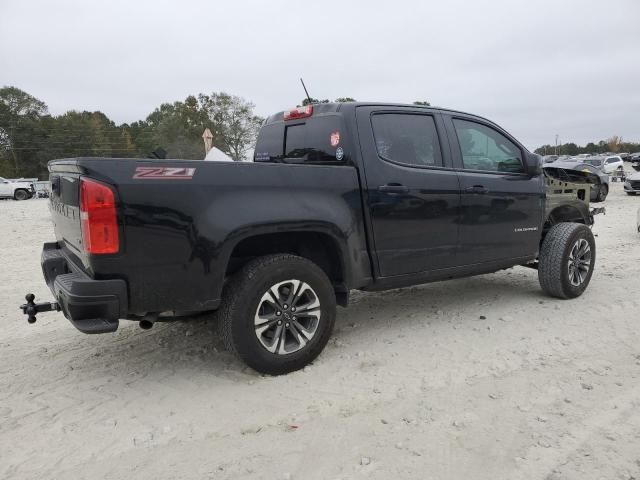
<point>613,144</point>
<point>30,136</point>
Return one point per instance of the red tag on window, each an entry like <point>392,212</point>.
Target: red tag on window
<point>335,139</point>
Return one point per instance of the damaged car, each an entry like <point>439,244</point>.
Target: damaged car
<point>632,184</point>
<point>579,172</point>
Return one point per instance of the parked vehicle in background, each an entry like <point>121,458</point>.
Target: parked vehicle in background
<point>17,190</point>
<point>606,164</point>
<point>41,189</point>
<point>624,156</point>
<point>613,163</point>
<point>549,158</point>
<point>598,179</point>
<point>340,196</point>
<point>632,184</point>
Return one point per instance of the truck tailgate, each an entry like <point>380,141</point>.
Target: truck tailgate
<point>65,209</point>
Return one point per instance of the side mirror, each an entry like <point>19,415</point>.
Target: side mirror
<point>534,164</point>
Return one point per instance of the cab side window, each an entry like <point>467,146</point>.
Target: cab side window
<point>410,139</point>
<point>483,148</point>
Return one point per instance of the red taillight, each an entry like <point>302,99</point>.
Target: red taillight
<point>300,112</point>
<point>98,217</point>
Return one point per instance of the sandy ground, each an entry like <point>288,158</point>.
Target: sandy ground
<point>416,383</point>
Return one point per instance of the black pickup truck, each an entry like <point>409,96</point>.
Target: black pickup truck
<point>339,197</point>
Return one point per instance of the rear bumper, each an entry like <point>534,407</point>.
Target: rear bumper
<point>92,306</point>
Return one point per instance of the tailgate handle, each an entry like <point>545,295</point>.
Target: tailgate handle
<point>393,188</point>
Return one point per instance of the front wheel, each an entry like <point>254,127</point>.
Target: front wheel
<point>567,259</point>
<point>603,191</point>
<point>278,313</point>
<point>21,195</point>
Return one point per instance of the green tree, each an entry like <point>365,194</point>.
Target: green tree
<point>87,134</point>
<point>422,102</point>
<point>21,133</point>
<point>313,101</point>
<point>344,100</point>
<point>232,122</point>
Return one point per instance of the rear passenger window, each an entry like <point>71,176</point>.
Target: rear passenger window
<point>405,138</point>
<point>483,148</point>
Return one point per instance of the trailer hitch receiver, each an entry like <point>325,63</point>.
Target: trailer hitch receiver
<point>31,309</point>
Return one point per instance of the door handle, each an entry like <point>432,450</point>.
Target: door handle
<point>393,188</point>
<point>477,189</point>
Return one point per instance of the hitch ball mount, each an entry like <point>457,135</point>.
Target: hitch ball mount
<point>31,309</point>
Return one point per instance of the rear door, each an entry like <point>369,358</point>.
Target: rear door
<point>412,193</point>
<point>502,207</point>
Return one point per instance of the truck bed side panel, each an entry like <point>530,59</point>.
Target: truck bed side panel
<point>179,233</point>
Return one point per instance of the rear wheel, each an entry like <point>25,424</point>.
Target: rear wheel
<point>567,259</point>
<point>278,313</point>
<point>21,195</point>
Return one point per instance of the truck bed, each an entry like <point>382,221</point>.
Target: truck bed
<point>180,221</point>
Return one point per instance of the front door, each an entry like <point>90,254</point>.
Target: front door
<point>502,207</point>
<point>412,192</point>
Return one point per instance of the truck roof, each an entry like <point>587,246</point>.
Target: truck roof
<point>320,108</point>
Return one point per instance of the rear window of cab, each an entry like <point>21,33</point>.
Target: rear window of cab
<point>315,140</point>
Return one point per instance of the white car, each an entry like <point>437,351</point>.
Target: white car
<point>606,164</point>
<point>611,164</point>
<point>16,190</point>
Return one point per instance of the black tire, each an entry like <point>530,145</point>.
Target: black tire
<point>554,271</point>
<point>21,195</point>
<point>603,191</point>
<point>631,193</point>
<point>243,296</point>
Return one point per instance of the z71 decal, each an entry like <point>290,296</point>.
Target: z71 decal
<point>164,173</point>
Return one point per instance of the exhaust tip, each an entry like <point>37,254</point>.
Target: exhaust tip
<point>145,324</point>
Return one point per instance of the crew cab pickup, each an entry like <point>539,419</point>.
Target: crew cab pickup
<point>339,197</point>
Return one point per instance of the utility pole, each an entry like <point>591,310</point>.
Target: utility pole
<point>556,144</point>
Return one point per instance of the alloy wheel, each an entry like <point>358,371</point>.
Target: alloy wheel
<point>579,262</point>
<point>287,317</point>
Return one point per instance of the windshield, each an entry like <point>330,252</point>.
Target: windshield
<point>594,161</point>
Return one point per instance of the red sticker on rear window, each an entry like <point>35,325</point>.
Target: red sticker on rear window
<point>335,139</point>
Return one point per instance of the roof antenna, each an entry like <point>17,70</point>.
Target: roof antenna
<point>305,91</point>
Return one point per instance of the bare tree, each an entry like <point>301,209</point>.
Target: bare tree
<point>614,143</point>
